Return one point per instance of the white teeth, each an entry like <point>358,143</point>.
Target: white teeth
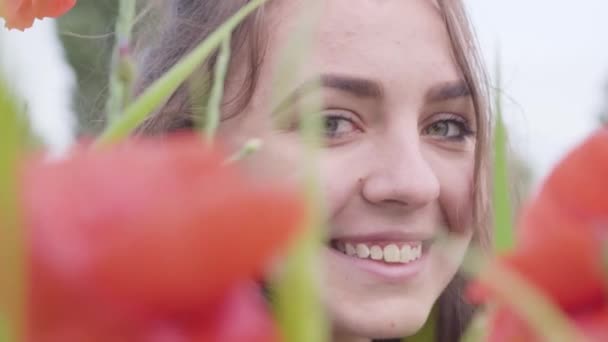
<point>409,253</point>
<point>363,251</point>
<point>406,253</point>
<point>350,250</point>
<point>376,253</point>
<point>389,254</point>
<point>392,254</point>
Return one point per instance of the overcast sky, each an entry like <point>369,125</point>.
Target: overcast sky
<point>555,64</point>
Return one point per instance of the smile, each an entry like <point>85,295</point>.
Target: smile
<point>389,258</point>
<point>390,253</point>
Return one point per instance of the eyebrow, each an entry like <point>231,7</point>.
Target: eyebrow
<point>359,87</point>
<point>448,91</point>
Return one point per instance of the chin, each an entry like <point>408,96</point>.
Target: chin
<point>383,322</point>
<point>379,301</point>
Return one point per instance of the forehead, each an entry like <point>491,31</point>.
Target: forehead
<point>397,42</point>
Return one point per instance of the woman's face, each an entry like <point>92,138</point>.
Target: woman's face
<point>398,156</point>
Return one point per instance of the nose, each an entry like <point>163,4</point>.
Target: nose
<point>399,175</point>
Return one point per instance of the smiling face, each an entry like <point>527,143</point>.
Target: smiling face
<point>398,161</point>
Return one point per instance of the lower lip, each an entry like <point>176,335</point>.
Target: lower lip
<point>394,272</point>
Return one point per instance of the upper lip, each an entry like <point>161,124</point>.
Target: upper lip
<point>387,235</point>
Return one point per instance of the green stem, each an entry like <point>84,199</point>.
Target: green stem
<point>217,91</point>
<point>503,221</point>
<point>121,70</point>
<point>250,148</point>
<point>477,330</point>
<point>13,274</point>
<point>161,90</point>
<point>298,306</point>
<point>545,319</point>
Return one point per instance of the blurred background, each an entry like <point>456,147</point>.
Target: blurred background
<point>553,57</point>
<point>87,33</point>
<point>554,62</point>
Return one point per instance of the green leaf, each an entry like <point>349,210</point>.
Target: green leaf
<point>158,93</point>
<point>503,220</point>
<point>12,250</point>
<point>121,71</point>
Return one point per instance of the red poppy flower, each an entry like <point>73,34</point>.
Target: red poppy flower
<point>20,14</point>
<point>561,239</point>
<point>149,234</point>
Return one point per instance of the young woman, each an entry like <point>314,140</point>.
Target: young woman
<point>405,135</point>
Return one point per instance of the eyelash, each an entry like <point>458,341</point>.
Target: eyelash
<point>460,122</point>
<point>340,117</point>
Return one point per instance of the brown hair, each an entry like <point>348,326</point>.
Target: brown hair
<point>185,23</point>
<point>177,28</point>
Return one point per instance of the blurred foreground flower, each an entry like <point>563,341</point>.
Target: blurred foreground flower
<point>20,14</point>
<point>151,241</point>
<point>562,246</point>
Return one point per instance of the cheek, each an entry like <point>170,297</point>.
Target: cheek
<point>340,178</point>
<point>456,197</point>
<point>280,156</point>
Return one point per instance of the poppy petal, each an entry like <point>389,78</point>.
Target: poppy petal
<point>18,14</point>
<point>579,182</point>
<point>51,8</point>
<point>164,225</point>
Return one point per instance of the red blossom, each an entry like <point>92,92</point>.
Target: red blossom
<point>20,14</point>
<point>561,239</point>
<point>150,237</point>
